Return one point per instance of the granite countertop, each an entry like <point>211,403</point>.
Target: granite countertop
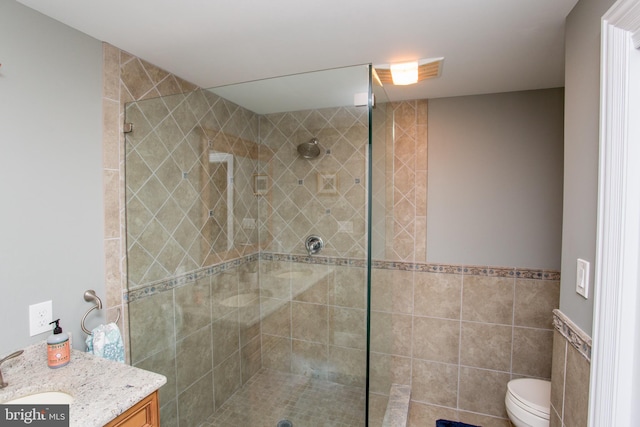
<point>102,389</point>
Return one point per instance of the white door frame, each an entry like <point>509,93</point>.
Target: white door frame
<point>615,378</point>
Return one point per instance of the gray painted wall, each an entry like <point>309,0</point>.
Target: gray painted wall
<point>495,179</point>
<point>582,106</point>
<point>51,219</point>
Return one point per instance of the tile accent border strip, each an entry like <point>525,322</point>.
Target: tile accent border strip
<point>576,336</point>
<point>175,282</point>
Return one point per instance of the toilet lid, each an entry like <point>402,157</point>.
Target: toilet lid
<point>531,392</point>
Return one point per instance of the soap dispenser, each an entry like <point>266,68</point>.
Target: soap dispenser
<point>58,348</point>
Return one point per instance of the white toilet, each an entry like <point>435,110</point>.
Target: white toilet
<point>528,402</point>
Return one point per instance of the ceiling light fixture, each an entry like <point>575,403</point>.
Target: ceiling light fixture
<point>408,73</point>
<point>405,73</point>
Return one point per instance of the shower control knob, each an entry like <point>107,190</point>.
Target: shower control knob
<point>314,244</point>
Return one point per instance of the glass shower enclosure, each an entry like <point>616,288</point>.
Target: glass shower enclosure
<point>251,324</point>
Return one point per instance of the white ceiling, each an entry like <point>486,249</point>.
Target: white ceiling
<point>489,45</point>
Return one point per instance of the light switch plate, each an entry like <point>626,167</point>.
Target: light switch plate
<point>40,315</point>
<point>582,278</point>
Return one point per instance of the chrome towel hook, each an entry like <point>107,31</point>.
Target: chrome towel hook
<point>90,296</point>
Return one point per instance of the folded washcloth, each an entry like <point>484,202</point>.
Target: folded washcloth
<point>105,341</point>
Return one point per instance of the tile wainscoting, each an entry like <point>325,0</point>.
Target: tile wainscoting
<point>455,334</point>
<point>570,376</point>
<point>458,335</point>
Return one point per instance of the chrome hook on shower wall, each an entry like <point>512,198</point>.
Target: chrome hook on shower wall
<point>314,244</point>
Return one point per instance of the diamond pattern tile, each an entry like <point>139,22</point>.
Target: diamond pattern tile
<point>170,181</point>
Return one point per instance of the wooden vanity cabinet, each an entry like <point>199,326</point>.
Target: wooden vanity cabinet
<point>143,414</point>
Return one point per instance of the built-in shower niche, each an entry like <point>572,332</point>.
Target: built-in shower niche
<point>220,224</point>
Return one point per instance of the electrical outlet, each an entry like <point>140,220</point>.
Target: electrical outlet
<point>40,315</point>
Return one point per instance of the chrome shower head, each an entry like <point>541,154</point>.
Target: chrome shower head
<point>309,149</point>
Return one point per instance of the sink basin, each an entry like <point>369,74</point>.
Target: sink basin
<point>44,398</point>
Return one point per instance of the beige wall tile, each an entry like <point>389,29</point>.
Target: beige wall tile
<point>194,404</point>
<point>318,292</point>
<point>438,295</point>
<point>276,353</point>
<point>111,135</point>
<point>532,352</point>
<point>249,321</point>
<point>436,339</point>
<point>391,333</point>
<point>193,307</point>
<point>486,346</point>
<point>347,327</point>
<point>226,380</point>
<point>251,358</point>
<point>349,287</point>
<point>224,287</point>
<point>152,325</point>
<point>487,299</point>
<point>226,337</point>
<point>347,366</point>
<point>271,284</point>
<point>377,408</point>
<point>435,383</point>
<point>135,79</point>
<point>309,359</point>
<point>554,419</point>
<point>421,414</point>
<point>111,197</point>
<point>483,391</point>
<point>392,291</point>
<point>535,301</point>
<point>576,399</point>
<point>309,322</point>
<point>169,412</point>
<point>113,275</point>
<point>386,369</point>
<point>163,363</point>
<point>110,72</point>
<point>193,358</point>
<point>558,372</point>
<point>276,317</point>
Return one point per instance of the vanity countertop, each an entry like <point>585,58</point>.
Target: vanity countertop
<point>102,389</point>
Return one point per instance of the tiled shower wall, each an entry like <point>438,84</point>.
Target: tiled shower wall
<point>406,183</point>
<point>125,79</point>
<point>179,218</point>
<point>402,350</point>
<point>178,306</point>
<point>326,195</point>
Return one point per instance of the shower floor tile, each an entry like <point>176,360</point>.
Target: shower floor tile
<point>271,396</point>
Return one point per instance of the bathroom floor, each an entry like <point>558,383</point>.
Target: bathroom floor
<point>271,396</point>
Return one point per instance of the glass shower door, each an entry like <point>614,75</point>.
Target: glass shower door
<point>224,298</point>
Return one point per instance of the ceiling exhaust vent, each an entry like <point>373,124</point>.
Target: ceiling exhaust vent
<point>427,69</point>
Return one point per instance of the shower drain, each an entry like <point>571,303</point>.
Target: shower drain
<point>285,423</point>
